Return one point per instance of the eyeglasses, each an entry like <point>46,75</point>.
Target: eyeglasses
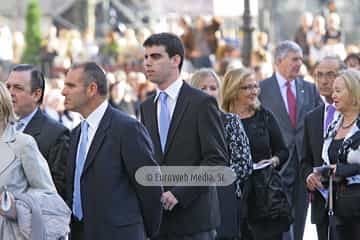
<point>250,87</point>
<point>328,75</point>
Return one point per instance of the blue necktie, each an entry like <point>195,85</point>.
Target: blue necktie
<point>80,161</point>
<point>164,119</point>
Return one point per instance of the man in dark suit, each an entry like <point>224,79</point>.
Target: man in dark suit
<point>26,85</point>
<point>185,126</point>
<point>105,153</point>
<point>315,125</point>
<point>289,97</point>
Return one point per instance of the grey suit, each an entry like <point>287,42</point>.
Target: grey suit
<point>307,98</point>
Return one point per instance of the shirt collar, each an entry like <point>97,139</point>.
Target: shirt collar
<point>282,81</point>
<point>172,91</point>
<point>28,118</point>
<point>326,103</point>
<point>95,117</point>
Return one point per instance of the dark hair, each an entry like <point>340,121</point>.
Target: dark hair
<point>37,80</point>
<point>172,43</point>
<point>352,56</point>
<point>92,72</point>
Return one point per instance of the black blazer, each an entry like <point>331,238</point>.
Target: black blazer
<point>312,150</point>
<point>52,139</point>
<point>195,138</point>
<point>114,205</point>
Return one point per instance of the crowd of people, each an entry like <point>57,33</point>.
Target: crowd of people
<point>77,138</point>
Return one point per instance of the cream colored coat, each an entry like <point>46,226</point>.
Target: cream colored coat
<point>22,169</point>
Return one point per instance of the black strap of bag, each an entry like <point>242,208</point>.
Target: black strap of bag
<point>332,225</point>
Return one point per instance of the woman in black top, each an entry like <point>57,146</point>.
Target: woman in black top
<point>341,150</point>
<point>240,96</point>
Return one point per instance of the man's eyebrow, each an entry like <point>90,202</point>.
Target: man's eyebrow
<point>15,85</point>
<point>69,84</point>
<point>153,55</point>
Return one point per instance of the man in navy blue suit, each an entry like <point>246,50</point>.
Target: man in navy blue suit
<point>106,150</point>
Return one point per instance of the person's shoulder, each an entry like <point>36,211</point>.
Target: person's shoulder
<point>231,120</point>
<point>52,124</point>
<point>315,112</point>
<point>195,95</point>
<point>230,116</point>
<point>306,83</point>
<point>122,119</point>
<point>265,112</point>
<point>149,100</point>
<point>267,81</point>
<point>22,140</point>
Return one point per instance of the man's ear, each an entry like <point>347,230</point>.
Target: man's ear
<point>176,60</point>
<point>37,94</point>
<point>277,61</point>
<point>92,89</point>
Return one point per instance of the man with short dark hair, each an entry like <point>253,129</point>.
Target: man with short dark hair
<point>315,126</point>
<point>186,128</point>
<point>26,85</point>
<point>105,152</point>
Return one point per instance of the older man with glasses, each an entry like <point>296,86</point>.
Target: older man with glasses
<point>315,126</point>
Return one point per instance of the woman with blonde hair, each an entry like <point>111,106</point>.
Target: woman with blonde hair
<point>239,94</point>
<point>341,150</point>
<point>28,198</point>
<point>206,80</point>
<point>230,197</point>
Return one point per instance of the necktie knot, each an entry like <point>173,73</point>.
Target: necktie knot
<point>84,126</point>
<point>163,97</point>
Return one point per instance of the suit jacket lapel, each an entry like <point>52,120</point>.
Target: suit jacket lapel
<point>98,138</point>
<point>321,120</point>
<point>34,126</point>
<point>180,107</point>
<point>153,128</point>
<point>73,151</point>
<point>299,99</point>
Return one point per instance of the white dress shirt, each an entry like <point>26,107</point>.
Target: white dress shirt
<point>283,88</point>
<point>173,92</point>
<point>94,120</point>
<point>25,120</point>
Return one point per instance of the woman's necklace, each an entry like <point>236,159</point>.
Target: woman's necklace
<point>349,125</point>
